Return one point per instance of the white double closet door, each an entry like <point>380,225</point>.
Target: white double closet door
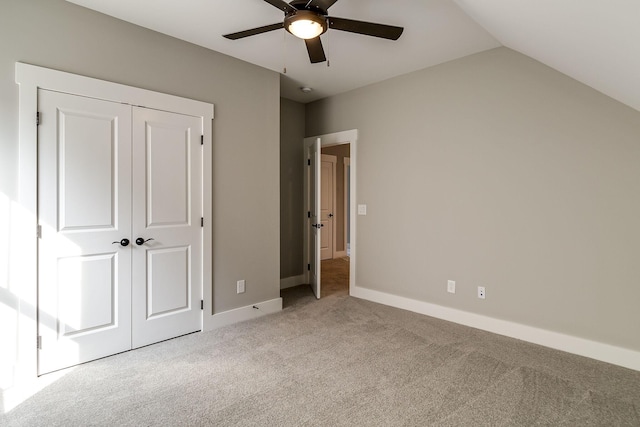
<point>109,173</point>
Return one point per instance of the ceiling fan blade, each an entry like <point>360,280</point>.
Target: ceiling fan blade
<point>367,28</point>
<point>282,5</point>
<point>315,50</point>
<point>254,31</point>
<point>321,4</point>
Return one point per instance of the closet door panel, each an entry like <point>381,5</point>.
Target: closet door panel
<point>168,280</point>
<point>167,207</point>
<point>84,194</point>
<point>167,179</point>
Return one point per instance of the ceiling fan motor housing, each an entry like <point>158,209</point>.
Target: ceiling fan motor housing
<point>311,18</point>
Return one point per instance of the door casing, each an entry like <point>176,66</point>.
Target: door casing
<point>347,207</point>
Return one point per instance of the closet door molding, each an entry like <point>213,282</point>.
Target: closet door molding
<point>23,280</point>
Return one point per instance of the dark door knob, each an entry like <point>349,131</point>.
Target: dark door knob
<point>140,241</point>
<point>123,242</point>
<point>330,215</point>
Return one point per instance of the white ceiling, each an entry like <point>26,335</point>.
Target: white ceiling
<point>594,41</point>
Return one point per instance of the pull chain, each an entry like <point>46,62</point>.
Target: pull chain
<point>284,52</point>
<point>328,50</point>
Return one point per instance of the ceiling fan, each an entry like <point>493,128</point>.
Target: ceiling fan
<point>308,19</point>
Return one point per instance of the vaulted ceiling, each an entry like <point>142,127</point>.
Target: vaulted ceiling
<point>593,41</point>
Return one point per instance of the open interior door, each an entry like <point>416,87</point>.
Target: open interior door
<point>315,223</point>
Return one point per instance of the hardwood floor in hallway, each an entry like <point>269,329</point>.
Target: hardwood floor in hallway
<point>334,277</point>
<point>334,281</point>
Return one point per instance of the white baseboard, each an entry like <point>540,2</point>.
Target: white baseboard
<point>571,344</point>
<point>243,313</point>
<point>290,282</point>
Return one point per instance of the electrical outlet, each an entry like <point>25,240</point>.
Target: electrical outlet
<point>240,286</point>
<point>481,292</point>
<point>451,286</point>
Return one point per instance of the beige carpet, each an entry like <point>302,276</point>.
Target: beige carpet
<point>338,361</point>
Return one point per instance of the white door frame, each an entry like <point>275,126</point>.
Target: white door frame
<point>345,137</point>
<point>25,245</point>
<point>346,211</point>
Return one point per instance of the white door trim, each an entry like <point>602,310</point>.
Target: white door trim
<point>24,277</point>
<point>346,163</point>
<point>345,137</point>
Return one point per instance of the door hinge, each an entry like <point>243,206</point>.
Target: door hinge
<point>39,342</point>
<point>202,221</point>
<point>308,214</point>
<point>38,118</point>
<point>308,267</point>
<point>308,162</point>
<point>201,139</point>
<point>201,304</point>
<point>39,231</point>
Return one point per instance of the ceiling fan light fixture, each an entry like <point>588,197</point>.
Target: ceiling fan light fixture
<point>305,24</point>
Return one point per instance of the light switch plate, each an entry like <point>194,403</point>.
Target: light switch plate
<point>362,209</point>
<point>451,286</point>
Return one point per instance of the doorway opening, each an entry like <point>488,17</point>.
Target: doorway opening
<point>329,247</point>
<point>334,210</point>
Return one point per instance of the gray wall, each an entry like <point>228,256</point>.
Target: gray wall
<point>63,36</point>
<point>498,171</point>
<point>291,187</point>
